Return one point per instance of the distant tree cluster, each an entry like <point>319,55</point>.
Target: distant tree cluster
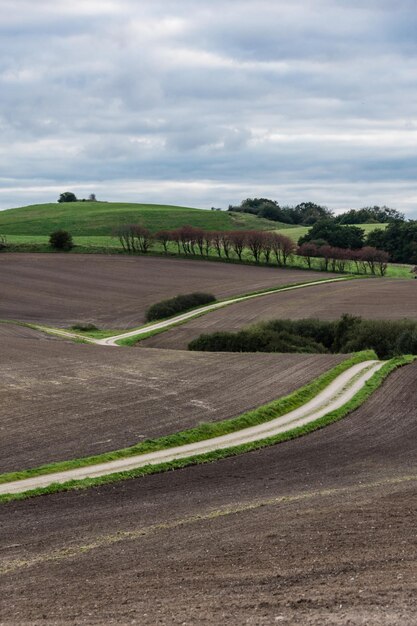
<point>308,213</point>
<point>370,215</point>
<point>68,196</point>
<point>304,214</point>
<point>399,239</point>
<point>328,232</point>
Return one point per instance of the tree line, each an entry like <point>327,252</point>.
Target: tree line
<point>191,241</point>
<point>308,213</point>
<point>260,246</point>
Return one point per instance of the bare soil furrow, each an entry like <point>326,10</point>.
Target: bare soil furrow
<point>114,292</point>
<point>341,549</point>
<point>371,299</point>
<point>60,400</point>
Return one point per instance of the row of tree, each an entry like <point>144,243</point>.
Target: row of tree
<point>363,261</point>
<point>265,246</point>
<point>193,241</point>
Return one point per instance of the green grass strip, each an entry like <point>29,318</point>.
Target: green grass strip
<point>205,431</point>
<point>369,387</point>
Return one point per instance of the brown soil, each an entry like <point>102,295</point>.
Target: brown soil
<point>114,292</point>
<point>372,299</point>
<point>60,400</point>
<point>320,530</point>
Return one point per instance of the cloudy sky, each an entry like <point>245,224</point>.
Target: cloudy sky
<point>206,102</point>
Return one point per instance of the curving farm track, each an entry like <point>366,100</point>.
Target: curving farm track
<point>318,530</point>
<point>372,299</point>
<point>334,396</point>
<point>53,390</point>
<point>114,292</point>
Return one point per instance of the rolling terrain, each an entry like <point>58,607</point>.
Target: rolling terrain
<point>63,400</point>
<point>320,530</point>
<point>114,292</point>
<point>99,218</point>
<point>317,530</point>
<point>381,298</point>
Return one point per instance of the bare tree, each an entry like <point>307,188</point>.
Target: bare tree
<point>283,248</point>
<point>208,241</point>
<point>238,242</point>
<point>143,238</point>
<point>226,244</point>
<point>308,250</point>
<point>217,242</point>
<point>164,237</point>
<point>255,242</point>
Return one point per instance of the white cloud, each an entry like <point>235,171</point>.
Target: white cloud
<point>210,100</point>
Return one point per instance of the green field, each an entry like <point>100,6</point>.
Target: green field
<point>299,231</point>
<point>111,245</point>
<point>99,218</point>
<point>91,223</point>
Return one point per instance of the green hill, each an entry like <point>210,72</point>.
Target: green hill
<point>99,218</point>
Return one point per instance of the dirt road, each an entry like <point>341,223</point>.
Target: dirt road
<point>334,396</point>
<point>371,299</point>
<point>53,390</point>
<point>320,530</point>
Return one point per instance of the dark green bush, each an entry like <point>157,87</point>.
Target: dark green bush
<point>61,240</point>
<point>84,326</point>
<point>256,341</point>
<point>179,304</point>
<point>388,338</point>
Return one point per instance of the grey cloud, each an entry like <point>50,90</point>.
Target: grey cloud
<point>203,98</point>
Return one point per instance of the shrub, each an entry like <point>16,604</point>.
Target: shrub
<point>167,308</point>
<point>83,326</point>
<point>61,240</point>
<point>256,340</point>
<point>3,242</point>
<point>388,338</point>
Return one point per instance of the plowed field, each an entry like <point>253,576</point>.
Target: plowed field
<point>60,400</point>
<point>114,292</point>
<point>372,299</point>
<point>319,530</point>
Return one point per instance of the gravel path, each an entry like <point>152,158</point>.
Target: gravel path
<point>340,391</point>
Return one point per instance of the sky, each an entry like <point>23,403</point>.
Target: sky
<point>206,102</point>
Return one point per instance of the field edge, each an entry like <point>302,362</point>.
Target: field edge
<point>359,398</point>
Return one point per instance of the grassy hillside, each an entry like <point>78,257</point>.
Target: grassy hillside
<point>99,218</point>
<point>299,231</point>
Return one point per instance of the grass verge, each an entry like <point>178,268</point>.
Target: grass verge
<point>206,431</point>
<point>369,387</point>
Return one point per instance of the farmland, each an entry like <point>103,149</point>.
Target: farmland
<point>374,299</point>
<point>85,400</point>
<point>319,529</point>
<point>294,531</point>
<point>114,292</point>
